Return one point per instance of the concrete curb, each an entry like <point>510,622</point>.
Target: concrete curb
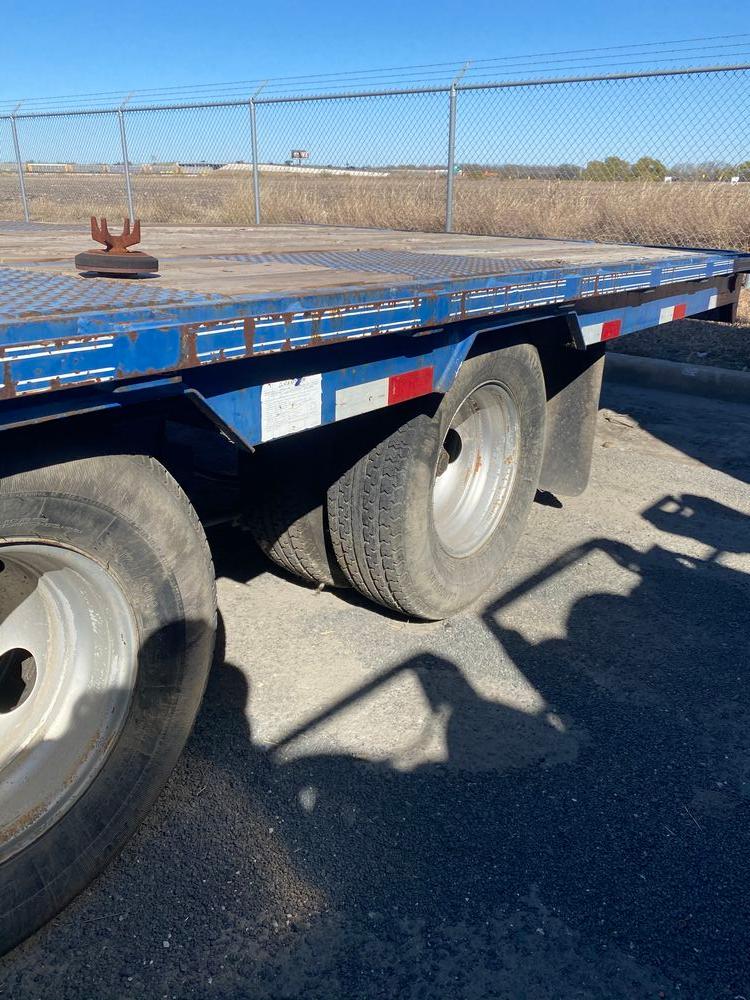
<point>697,380</point>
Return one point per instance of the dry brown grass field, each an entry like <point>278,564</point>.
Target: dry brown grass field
<point>685,214</point>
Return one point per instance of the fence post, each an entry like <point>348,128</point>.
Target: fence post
<point>254,145</point>
<point>451,159</point>
<point>126,164</point>
<point>19,165</point>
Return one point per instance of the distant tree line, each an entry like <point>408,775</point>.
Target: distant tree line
<point>613,168</point>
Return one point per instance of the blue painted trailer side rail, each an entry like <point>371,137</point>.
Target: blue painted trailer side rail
<point>255,410</point>
<point>80,332</point>
<point>248,405</point>
<point>261,399</point>
<point>110,343</point>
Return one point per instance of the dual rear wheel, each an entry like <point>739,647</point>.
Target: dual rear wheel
<point>427,503</point>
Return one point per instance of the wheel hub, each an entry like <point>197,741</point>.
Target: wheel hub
<point>68,656</point>
<point>476,469</point>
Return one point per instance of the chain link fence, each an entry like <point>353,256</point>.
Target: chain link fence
<point>651,157</point>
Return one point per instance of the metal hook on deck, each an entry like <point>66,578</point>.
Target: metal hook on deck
<point>116,259</point>
<point>115,244</point>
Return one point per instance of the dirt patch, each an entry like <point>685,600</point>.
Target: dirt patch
<point>695,342</point>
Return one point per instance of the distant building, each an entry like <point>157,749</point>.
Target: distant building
<point>198,168</point>
<point>49,168</point>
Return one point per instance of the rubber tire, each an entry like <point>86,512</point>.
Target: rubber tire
<point>286,510</point>
<point>380,509</point>
<point>129,514</point>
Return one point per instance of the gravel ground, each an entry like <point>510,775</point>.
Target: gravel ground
<point>695,342</point>
<point>546,797</point>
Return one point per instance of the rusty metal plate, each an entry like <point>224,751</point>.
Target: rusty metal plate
<point>418,265</point>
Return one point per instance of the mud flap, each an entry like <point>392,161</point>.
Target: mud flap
<point>573,380</point>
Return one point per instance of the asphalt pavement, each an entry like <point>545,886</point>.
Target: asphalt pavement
<point>545,797</point>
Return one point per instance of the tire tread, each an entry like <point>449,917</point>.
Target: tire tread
<point>368,504</point>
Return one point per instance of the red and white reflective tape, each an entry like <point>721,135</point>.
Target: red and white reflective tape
<point>293,405</point>
<point>670,313</point>
<point>594,332</point>
<point>356,399</point>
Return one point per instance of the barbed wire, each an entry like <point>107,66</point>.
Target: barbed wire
<point>478,70</point>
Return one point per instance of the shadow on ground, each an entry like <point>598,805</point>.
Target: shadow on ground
<point>596,846</point>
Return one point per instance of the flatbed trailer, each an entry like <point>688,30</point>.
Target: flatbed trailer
<point>391,403</point>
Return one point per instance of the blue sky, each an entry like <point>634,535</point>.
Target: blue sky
<point>49,47</point>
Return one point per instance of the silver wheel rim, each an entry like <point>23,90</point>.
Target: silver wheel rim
<point>476,469</point>
<point>68,660</point>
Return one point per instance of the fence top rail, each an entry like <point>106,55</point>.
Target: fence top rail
<point>391,92</point>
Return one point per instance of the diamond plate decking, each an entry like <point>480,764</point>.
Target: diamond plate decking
<point>29,294</point>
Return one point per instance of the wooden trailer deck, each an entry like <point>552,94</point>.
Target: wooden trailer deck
<point>244,261</point>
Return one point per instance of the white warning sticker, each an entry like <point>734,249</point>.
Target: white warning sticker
<point>290,406</point>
